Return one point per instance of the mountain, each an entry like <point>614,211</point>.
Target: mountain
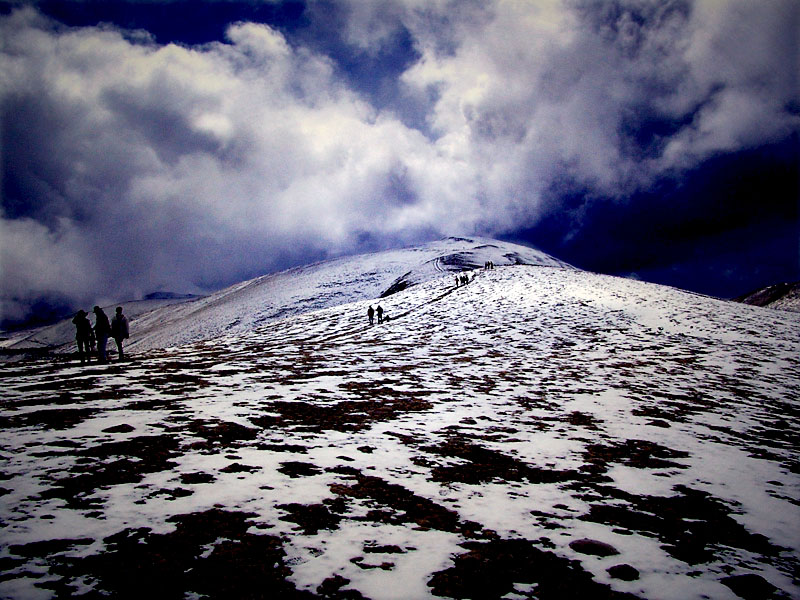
<point>782,296</point>
<point>60,336</point>
<point>537,433</point>
<point>244,306</point>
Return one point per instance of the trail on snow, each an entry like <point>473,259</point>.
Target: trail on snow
<point>540,432</point>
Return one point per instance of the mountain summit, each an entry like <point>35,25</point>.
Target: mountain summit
<point>245,306</point>
<point>250,304</point>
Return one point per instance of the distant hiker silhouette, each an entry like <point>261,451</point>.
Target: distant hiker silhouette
<point>83,335</point>
<point>119,330</point>
<point>102,329</point>
<point>456,280</point>
<point>380,314</point>
<point>371,315</point>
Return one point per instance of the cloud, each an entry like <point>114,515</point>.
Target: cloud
<point>131,166</point>
<point>617,91</point>
<point>149,166</point>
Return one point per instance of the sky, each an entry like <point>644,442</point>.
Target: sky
<point>187,145</point>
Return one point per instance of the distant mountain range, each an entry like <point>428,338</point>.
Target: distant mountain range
<point>782,296</point>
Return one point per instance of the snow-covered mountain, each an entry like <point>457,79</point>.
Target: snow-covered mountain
<point>781,296</point>
<point>537,433</point>
<point>60,337</point>
<point>242,307</point>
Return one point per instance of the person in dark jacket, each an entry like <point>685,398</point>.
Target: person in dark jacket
<point>119,330</point>
<point>380,313</point>
<point>371,315</point>
<point>83,334</point>
<point>102,329</point>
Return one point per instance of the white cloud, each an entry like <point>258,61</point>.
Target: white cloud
<point>144,166</point>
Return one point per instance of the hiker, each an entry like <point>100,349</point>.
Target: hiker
<point>456,280</point>
<point>371,315</point>
<point>380,314</point>
<point>83,332</point>
<point>119,330</point>
<point>102,329</point>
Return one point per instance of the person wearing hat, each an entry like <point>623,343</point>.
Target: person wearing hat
<point>119,330</point>
<point>83,333</point>
<point>102,329</point>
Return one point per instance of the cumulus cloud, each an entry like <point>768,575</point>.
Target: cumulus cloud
<point>131,166</point>
<point>145,166</point>
<point>618,91</point>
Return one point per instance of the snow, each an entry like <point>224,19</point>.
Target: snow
<point>248,304</point>
<point>537,403</point>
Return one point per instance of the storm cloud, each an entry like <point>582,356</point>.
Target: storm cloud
<point>131,166</point>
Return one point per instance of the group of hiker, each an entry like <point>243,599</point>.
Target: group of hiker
<point>87,336</point>
<point>465,279</point>
<point>461,280</point>
<point>371,312</point>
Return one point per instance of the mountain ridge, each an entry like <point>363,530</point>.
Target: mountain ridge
<point>248,304</point>
<point>780,296</point>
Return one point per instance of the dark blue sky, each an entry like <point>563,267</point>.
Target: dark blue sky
<point>187,145</point>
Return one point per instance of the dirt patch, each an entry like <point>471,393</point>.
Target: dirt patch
<point>491,570</point>
<point>175,381</point>
<point>332,588</point>
<point>219,434</point>
<point>694,526</point>
<point>240,468</point>
<point>197,478</point>
<point>293,448</point>
<point>593,547</point>
<point>210,554</point>
<point>484,465</point>
<point>581,419</point>
<point>310,517</point>
<point>750,586</point>
<point>48,547</point>
<point>347,415</point>
<point>641,454</point>
<point>296,469</point>
<point>49,419</point>
<point>122,428</point>
<point>623,572</point>
<point>137,457</point>
<point>396,505</point>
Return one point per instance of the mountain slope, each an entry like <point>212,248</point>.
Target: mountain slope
<point>242,307</point>
<point>782,296</point>
<point>545,433</point>
<point>61,335</point>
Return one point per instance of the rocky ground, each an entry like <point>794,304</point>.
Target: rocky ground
<point>538,433</point>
